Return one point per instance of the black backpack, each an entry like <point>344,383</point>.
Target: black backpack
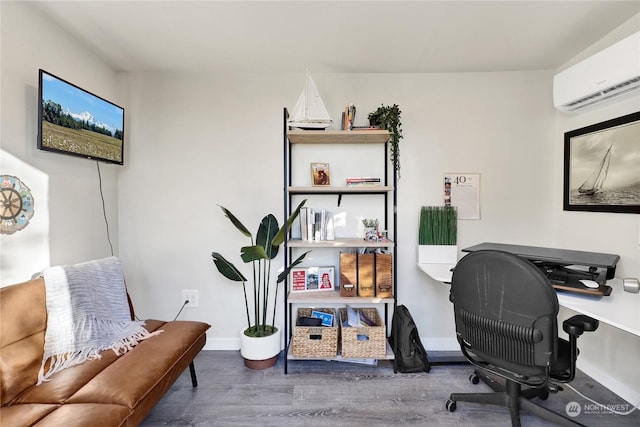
<point>409,352</point>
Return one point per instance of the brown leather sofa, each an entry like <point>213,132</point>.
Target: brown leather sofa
<point>111,391</point>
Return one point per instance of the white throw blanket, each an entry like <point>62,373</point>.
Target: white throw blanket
<point>87,313</point>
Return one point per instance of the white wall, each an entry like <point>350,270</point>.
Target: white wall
<point>199,141</point>
<point>195,142</point>
<point>609,355</point>
<point>68,224</point>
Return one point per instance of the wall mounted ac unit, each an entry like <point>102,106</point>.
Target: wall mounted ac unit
<point>609,73</point>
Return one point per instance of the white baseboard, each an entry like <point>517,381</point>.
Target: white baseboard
<point>222,344</point>
<point>440,344</point>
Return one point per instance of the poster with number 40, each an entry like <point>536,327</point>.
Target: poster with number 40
<point>462,190</point>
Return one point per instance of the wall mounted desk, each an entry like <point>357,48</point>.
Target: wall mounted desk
<point>440,272</point>
<point>620,309</point>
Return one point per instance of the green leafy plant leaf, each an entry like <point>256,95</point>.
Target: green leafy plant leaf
<point>388,117</point>
<point>227,269</point>
<point>283,275</point>
<point>235,222</point>
<point>267,230</point>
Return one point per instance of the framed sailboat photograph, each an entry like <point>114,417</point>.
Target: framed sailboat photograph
<point>602,166</point>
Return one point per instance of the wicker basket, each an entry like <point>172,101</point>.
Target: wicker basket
<point>315,341</point>
<point>375,347</point>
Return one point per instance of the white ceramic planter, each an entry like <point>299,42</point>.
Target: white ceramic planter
<point>437,254</point>
<point>263,351</point>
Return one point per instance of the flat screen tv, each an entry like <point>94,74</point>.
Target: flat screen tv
<point>74,121</point>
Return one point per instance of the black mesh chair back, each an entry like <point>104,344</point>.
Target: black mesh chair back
<point>505,314</point>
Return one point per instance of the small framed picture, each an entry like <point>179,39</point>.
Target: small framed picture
<point>320,175</point>
<point>312,279</point>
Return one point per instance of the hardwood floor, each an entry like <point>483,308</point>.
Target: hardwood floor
<point>319,393</point>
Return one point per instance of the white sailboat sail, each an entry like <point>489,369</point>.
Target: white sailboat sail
<point>595,181</point>
<point>310,112</point>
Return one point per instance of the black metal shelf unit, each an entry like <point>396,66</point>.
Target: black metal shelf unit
<point>388,191</point>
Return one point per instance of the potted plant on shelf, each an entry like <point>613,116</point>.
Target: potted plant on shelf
<point>388,117</point>
<point>260,340</point>
<point>437,235</point>
<point>370,228</point>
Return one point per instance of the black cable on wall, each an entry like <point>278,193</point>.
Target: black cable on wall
<point>104,209</point>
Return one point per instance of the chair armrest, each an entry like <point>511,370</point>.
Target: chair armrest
<point>578,324</point>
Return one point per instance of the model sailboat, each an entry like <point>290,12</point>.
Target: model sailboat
<point>310,112</point>
<point>595,181</point>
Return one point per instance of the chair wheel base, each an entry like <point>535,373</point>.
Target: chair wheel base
<point>451,405</point>
<point>474,379</point>
<point>544,394</point>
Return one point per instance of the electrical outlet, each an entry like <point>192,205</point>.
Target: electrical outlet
<point>190,295</point>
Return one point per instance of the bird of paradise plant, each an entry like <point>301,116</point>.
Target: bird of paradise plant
<point>263,249</point>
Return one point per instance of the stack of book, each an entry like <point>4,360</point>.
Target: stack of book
<point>362,181</point>
<point>316,225</point>
<point>348,117</point>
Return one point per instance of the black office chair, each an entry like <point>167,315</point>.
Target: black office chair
<point>505,313</point>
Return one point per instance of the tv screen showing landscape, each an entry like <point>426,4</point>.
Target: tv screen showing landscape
<point>76,122</point>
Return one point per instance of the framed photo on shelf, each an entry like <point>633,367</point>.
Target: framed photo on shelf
<point>320,175</point>
<point>312,279</point>
<point>602,166</point>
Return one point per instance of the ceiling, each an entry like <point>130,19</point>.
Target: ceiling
<point>337,36</point>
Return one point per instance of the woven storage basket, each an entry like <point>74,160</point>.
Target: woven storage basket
<point>315,341</point>
<point>384,276</point>
<point>375,347</point>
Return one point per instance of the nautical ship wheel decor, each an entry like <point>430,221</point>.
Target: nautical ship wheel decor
<point>16,204</point>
